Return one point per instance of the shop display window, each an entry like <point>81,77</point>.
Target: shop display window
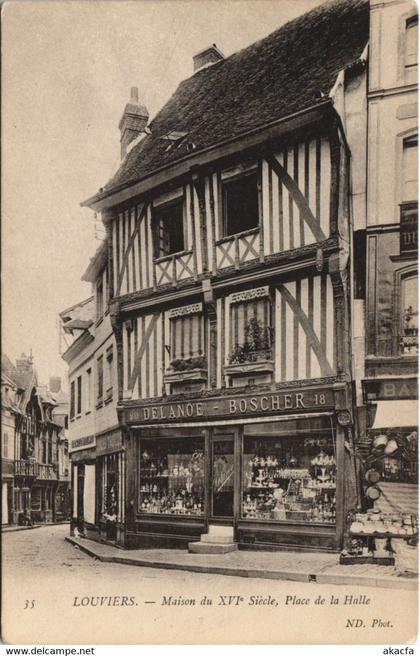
<point>289,478</point>
<point>171,479</point>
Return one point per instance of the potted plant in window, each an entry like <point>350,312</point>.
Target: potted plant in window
<point>254,354</point>
<point>187,369</point>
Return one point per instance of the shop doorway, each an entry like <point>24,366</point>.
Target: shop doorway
<point>222,478</point>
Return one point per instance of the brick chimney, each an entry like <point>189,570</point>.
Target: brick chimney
<point>133,121</point>
<point>24,363</point>
<point>55,384</point>
<point>208,56</point>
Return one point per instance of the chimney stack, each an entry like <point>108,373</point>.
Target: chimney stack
<point>55,384</point>
<point>133,121</point>
<point>210,55</point>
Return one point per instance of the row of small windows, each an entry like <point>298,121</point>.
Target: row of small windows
<point>239,209</point>
<point>81,389</point>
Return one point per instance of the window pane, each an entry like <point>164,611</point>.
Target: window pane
<point>72,400</point>
<point>401,466</point>
<point>100,378</point>
<point>240,204</point>
<point>187,337</point>
<point>251,333</point>
<point>289,479</point>
<point>172,476</point>
<point>169,229</point>
<point>410,316</point>
<point>79,395</point>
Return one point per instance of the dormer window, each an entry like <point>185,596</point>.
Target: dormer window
<point>240,203</point>
<point>169,228</point>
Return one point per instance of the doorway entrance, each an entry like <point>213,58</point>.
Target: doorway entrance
<point>223,479</point>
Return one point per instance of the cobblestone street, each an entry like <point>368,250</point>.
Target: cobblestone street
<point>39,566</point>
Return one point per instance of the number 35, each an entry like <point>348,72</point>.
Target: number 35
<point>29,603</point>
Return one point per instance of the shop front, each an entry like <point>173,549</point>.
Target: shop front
<point>388,525</point>
<point>98,486</point>
<point>273,467</point>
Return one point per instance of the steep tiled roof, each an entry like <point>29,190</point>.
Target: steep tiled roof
<point>271,79</point>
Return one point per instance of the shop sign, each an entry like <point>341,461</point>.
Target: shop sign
<point>82,443</point>
<point>108,443</point>
<point>234,407</point>
<point>392,389</point>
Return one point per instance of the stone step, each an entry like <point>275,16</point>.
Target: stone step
<point>221,539</point>
<point>211,547</point>
<point>216,529</point>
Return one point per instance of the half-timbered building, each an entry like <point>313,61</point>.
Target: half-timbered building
<point>230,278</point>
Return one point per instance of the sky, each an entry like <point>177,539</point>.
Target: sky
<point>67,69</point>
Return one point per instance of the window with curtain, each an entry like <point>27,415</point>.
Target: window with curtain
<point>169,228</point>
<point>251,326</point>
<point>100,377</point>
<point>187,337</point>
<point>72,399</point>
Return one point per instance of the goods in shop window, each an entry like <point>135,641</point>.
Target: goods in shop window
<point>290,486</point>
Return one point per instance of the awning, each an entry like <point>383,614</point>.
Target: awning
<point>396,414</point>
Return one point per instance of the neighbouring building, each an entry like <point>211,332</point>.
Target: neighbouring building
<point>229,303</point>
<point>390,380</point>
<point>95,436</point>
<point>35,487</point>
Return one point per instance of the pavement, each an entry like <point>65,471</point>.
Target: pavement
<point>54,593</point>
<point>322,568</point>
<point>13,528</point>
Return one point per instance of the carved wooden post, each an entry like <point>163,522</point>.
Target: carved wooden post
<point>210,305</point>
<point>116,323</point>
<point>199,183</point>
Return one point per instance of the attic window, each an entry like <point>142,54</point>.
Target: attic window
<point>174,138</point>
<point>240,204</point>
<point>169,228</point>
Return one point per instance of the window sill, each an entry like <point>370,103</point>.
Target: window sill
<point>238,235</point>
<point>99,404</point>
<point>88,412</point>
<point>172,376</point>
<point>166,258</point>
<point>392,358</point>
<point>412,255</point>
